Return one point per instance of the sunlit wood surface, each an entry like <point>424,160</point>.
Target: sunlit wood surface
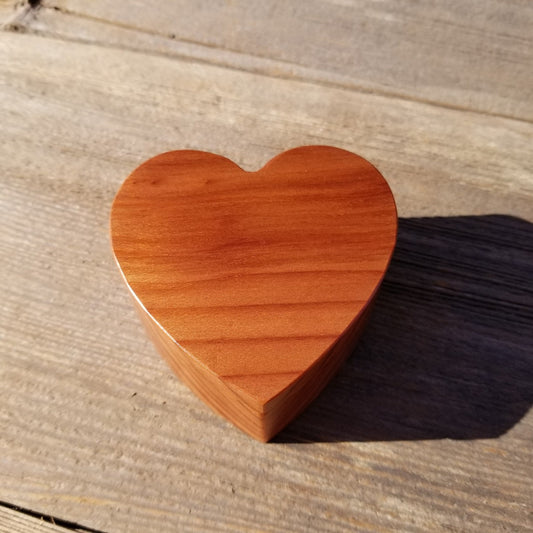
<point>427,427</point>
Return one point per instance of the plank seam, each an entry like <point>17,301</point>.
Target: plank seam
<point>304,74</point>
<point>67,524</point>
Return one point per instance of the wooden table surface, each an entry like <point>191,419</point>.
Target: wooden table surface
<point>428,425</point>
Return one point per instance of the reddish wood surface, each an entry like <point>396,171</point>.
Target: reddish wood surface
<point>255,285</point>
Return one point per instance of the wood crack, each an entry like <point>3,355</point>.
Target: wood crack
<point>203,54</point>
<point>66,524</point>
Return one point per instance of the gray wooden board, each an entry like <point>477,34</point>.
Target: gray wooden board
<point>472,55</point>
<point>426,428</point>
<point>14,520</point>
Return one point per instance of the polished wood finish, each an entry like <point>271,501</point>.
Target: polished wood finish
<point>255,285</point>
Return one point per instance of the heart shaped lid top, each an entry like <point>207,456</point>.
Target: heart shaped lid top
<point>255,274</point>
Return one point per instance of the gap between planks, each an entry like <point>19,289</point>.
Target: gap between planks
<point>15,519</point>
<point>34,20</point>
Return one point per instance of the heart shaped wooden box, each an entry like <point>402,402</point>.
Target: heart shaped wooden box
<point>254,286</point>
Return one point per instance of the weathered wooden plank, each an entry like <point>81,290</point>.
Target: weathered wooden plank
<point>12,521</point>
<point>9,10</point>
<point>144,106</point>
<point>469,55</point>
<point>425,429</point>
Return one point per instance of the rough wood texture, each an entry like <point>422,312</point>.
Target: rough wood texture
<point>12,521</point>
<point>16,520</point>
<point>255,285</point>
<point>427,427</point>
<point>468,55</point>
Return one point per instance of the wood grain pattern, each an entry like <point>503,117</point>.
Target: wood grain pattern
<point>471,56</point>
<point>427,427</point>
<point>16,520</point>
<point>12,521</point>
<point>255,285</point>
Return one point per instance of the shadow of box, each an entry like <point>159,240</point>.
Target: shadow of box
<point>448,352</point>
